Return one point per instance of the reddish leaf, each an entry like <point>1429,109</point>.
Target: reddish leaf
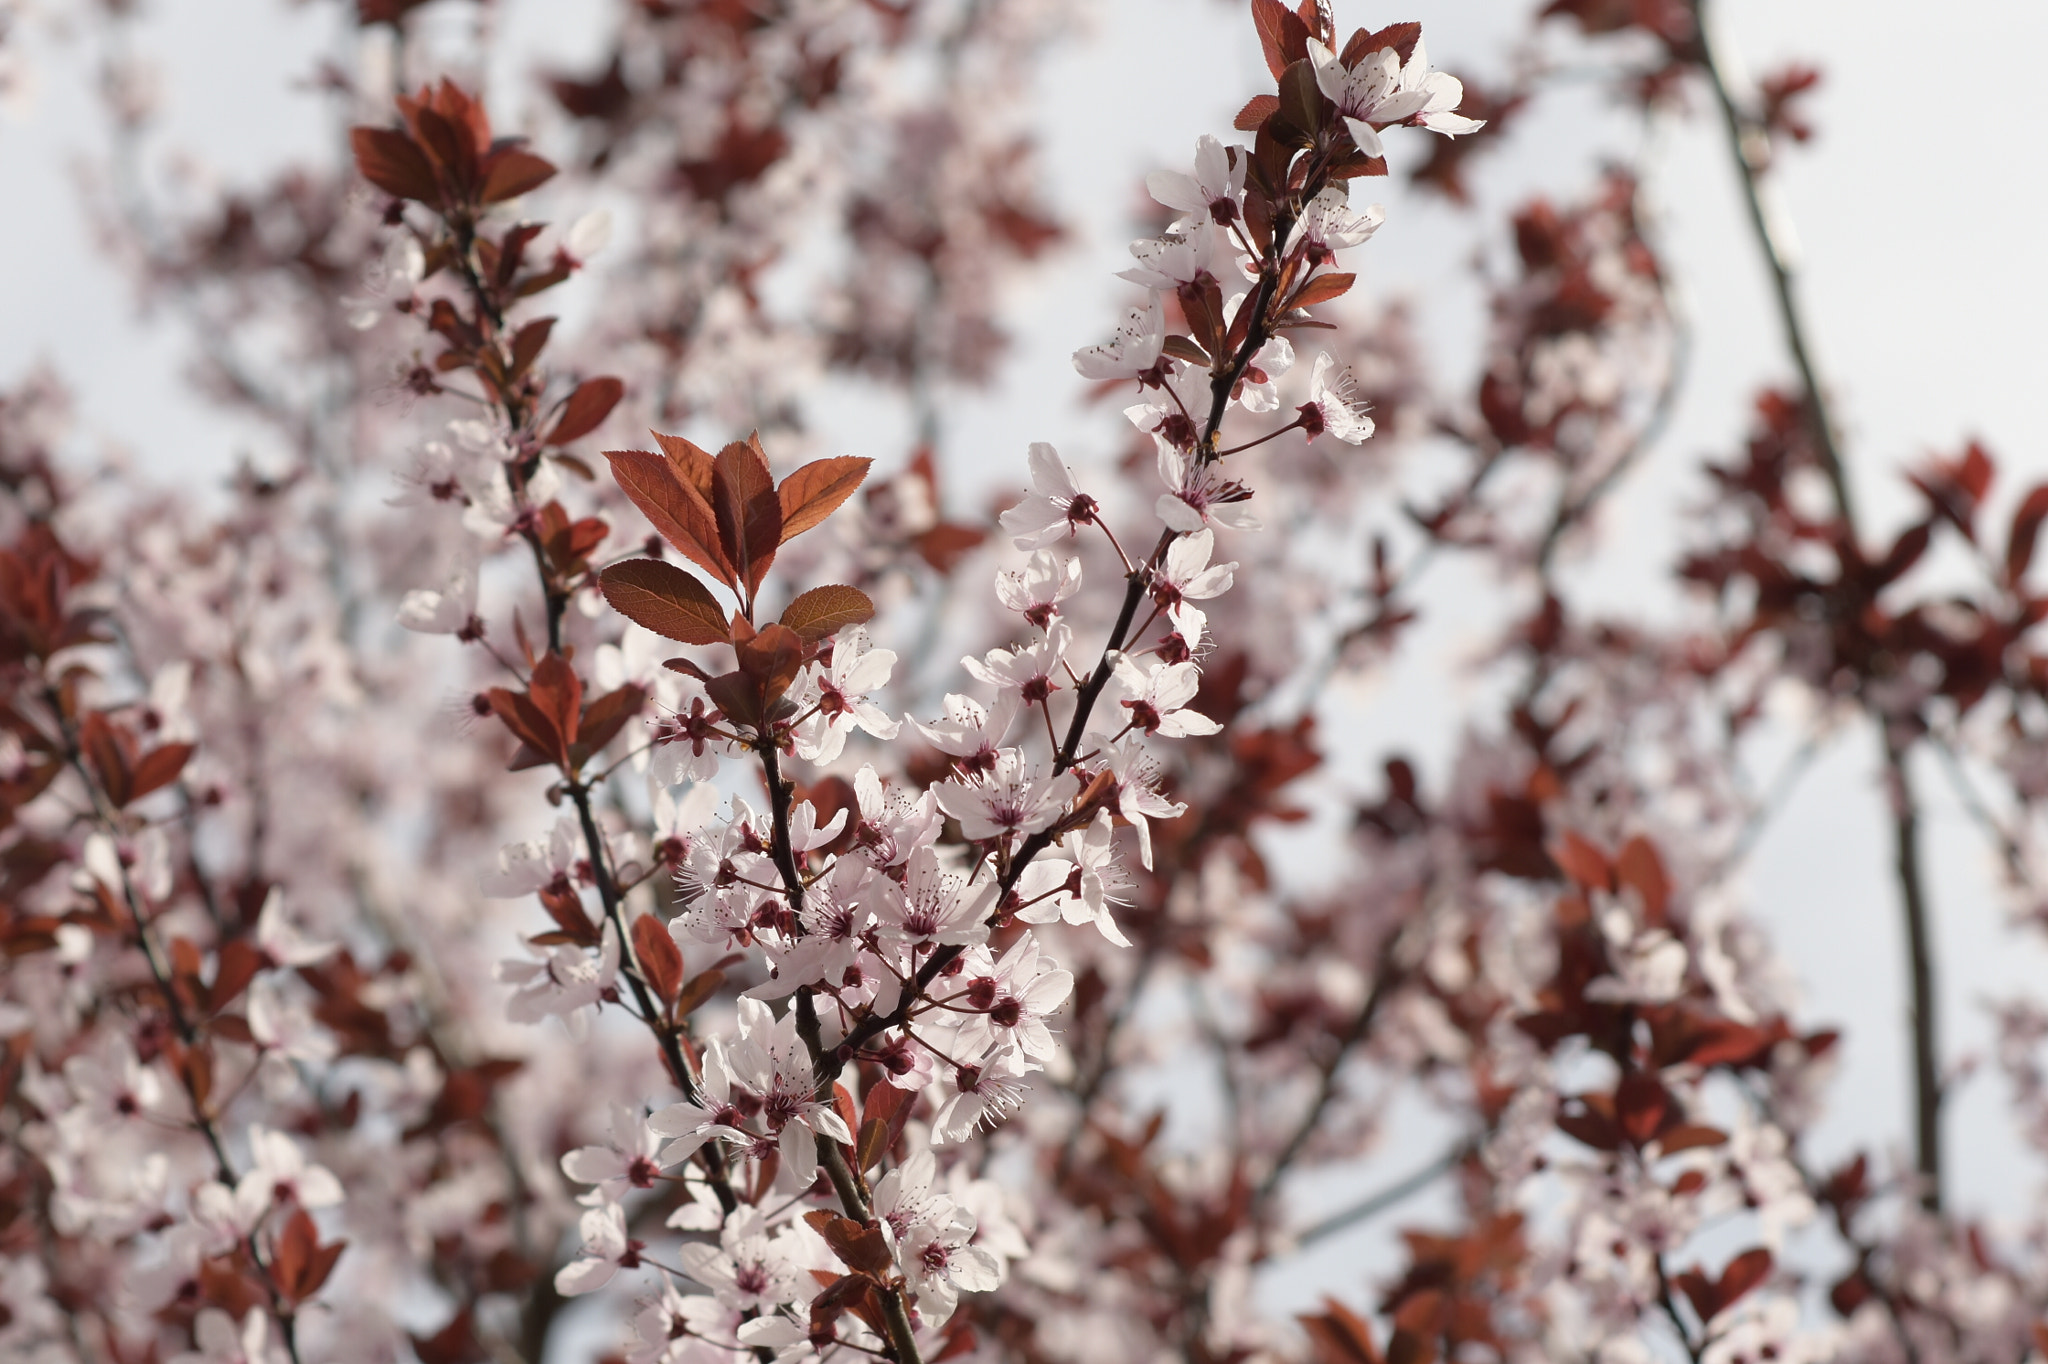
<point>1340,1336</point>
<point>606,716</point>
<point>1853,1290</point>
<point>232,1028</point>
<point>159,767</point>
<point>321,1267</point>
<point>455,1343</point>
<point>1643,1106</point>
<point>239,960</point>
<point>1638,867</point>
<point>299,1263</point>
<point>395,164</point>
<point>511,172</point>
<point>1579,860</point>
<point>565,907</point>
<point>739,697</point>
<point>2026,529</point>
<point>1711,1297</point>
<point>678,513</point>
<point>1283,38</point>
<point>700,989</point>
<point>1400,37</point>
<point>843,1293</point>
<point>528,724</point>
<point>771,660</point>
<point>666,600</point>
<point>660,962</point>
<point>1743,1273</point>
<point>1585,1119</point>
<point>862,1249</point>
<point>1904,553</point>
<point>1723,1041</point>
<point>871,1143</point>
<point>111,753</point>
<point>691,461</point>
<point>824,611</point>
<point>815,491</point>
<point>586,409</point>
<point>944,544</point>
<point>1322,289</point>
<point>185,960</point>
<point>527,343</point>
<point>748,510</point>
<point>842,1104</point>
<point>448,146</point>
<point>1689,1136</point>
<point>292,1251</point>
<point>1301,99</point>
<point>557,692</point>
<point>1256,111</point>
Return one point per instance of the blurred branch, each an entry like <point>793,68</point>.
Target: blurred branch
<point>1749,142</point>
<point>1376,1203</point>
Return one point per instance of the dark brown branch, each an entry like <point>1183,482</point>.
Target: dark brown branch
<point>1920,961</point>
<point>1383,982</point>
<point>107,818</point>
<point>853,1197</point>
<point>1372,1205</point>
<point>1749,143</point>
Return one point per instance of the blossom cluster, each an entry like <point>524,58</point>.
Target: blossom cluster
<point>476,865</point>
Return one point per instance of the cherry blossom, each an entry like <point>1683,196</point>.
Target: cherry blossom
<point>629,1160</point>
<point>690,737</point>
<point>281,1176</point>
<point>606,1250</point>
<point>771,1061</point>
<point>537,864</point>
<point>1011,999</point>
<point>1174,418</point>
<point>804,983</point>
<point>564,983</point>
<point>747,1270</point>
<point>1329,224</point>
<point>1333,406</point>
<point>284,943</point>
<point>1024,677</point>
<point>1012,797</point>
<point>982,1094</point>
<point>1199,495</point>
<point>1054,509</point>
<point>1133,352</point>
<point>1381,90</point>
<point>1036,590</point>
<point>221,1341</point>
<point>689,1125</point>
<point>1187,577</point>
<point>1200,254</point>
<point>934,906</point>
<point>892,825</point>
<point>449,608</point>
<point>1212,191</point>
<point>1080,890</point>
<point>839,696</point>
<point>1258,391</point>
<point>1153,700</point>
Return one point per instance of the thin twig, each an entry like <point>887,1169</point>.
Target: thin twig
<point>1371,1206</point>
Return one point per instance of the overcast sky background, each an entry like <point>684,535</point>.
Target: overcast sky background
<point>1919,209</point>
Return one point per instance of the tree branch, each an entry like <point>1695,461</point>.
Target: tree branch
<point>1750,145</point>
